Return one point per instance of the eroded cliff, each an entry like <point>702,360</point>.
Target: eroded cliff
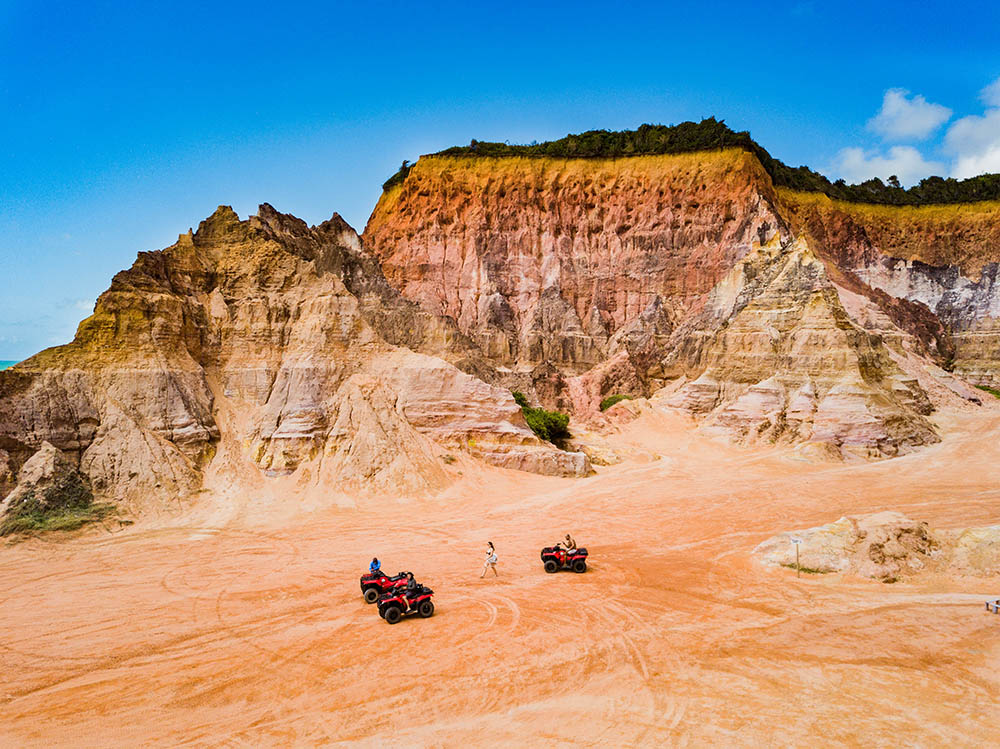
<point>567,261</point>
<point>943,259</point>
<point>266,349</point>
<point>587,277</point>
<point>262,348</point>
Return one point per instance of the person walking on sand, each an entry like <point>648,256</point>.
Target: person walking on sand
<point>491,560</point>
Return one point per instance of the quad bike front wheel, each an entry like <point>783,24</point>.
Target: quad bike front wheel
<point>393,615</point>
<point>426,609</point>
<point>550,565</point>
<point>371,595</point>
<point>579,566</point>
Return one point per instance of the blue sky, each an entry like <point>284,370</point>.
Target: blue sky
<point>123,124</point>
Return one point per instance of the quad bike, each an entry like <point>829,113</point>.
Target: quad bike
<point>375,584</point>
<point>556,559</point>
<point>401,602</point>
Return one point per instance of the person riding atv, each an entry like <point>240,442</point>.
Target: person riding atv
<point>567,545</point>
<point>374,584</point>
<point>565,555</point>
<point>411,598</point>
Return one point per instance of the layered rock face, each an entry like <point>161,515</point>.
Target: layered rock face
<point>263,345</point>
<point>267,349</point>
<point>569,261</point>
<point>48,482</point>
<point>588,277</point>
<point>774,356</point>
<point>943,259</point>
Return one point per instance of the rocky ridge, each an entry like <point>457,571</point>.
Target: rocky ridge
<point>690,272</point>
<point>262,347</point>
<point>269,349</point>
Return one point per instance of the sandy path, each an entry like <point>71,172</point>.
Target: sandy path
<point>174,632</point>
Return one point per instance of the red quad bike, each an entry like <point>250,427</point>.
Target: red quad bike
<point>375,584</point>
<point>558,559</point>
<point>401,602</point>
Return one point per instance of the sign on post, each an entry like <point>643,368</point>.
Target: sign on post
<point>798,568</point>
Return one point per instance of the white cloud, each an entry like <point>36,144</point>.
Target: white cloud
<point>84,305</point>
<point>991,94</point>
<point>906,162</point>
<point>903,118</point>
<point>974,141</point>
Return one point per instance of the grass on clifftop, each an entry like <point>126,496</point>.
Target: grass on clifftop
<point>547,425</point>
<point>711,135</point>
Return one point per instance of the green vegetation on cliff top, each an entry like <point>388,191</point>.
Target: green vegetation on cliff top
<point>711,134</point>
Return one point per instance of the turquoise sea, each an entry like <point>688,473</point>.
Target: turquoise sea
<point>5,364</point>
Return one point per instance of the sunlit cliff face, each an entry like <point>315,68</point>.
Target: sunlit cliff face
<point>698,271</point>
<point>547,260</point>
<point>944,258</point>
<point>268,350</point>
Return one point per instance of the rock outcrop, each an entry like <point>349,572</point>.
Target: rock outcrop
<point>290,337</point>
<point>934,269</point>
<point>628,275</point>
<point>270,348</point>
<point>774,356</point>
<point>48,482</point>
<point>886,546</point>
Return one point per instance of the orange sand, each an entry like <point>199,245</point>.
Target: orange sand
<point>194,630</point>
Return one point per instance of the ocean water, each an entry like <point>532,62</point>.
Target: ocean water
<point>5,364</point>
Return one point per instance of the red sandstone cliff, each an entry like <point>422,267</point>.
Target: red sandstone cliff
<point>269,350</point>
<point>691,272</point>
<point>934,269</point>
<point>543,260</point>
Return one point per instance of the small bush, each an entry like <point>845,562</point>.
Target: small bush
<point>992,391</point>
<point>547,425</point>
<point>613,399</point>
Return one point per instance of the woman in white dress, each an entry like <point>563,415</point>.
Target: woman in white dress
<point>491,560</point>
